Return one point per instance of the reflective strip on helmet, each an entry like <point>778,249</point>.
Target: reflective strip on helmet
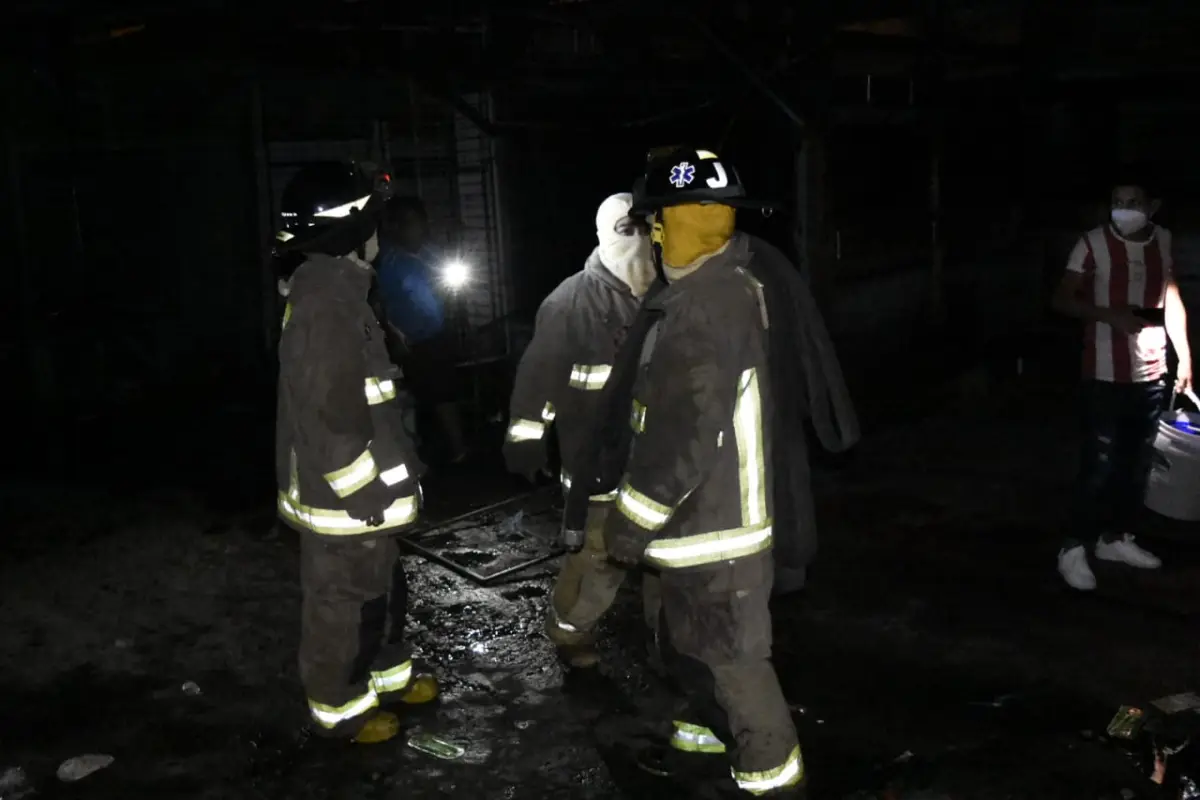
<point>590,377</point>
<point>328,716</point>
<point>548,413</point>
<point>354,476</point>
<point>380,390</point>
<point>607,497</point>
<point>637,417</point>
<point>287,315</point>
<point>789,773</point>
<point>345,210</point>
<point>752,473</point>
<point>392,680</point>
<point>525,430</point>
<point>640,509</point>
<point>695,739</point>
<point>708,548</point>
<point>338,523</point>
<point>394,475</point>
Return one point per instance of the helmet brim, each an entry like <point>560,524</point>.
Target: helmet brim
<point>647,205</point>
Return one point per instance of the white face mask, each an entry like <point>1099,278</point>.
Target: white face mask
<point>628,256</point>
<point>1129,220</point>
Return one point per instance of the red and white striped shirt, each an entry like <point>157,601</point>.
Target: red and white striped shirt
<point>1122,272</point>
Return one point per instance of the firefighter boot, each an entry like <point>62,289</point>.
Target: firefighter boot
<point>576,648</point>
<point>422,689</point>
<point>381,727</point>
<point>669,762</point>
<point>726,791</point>
<point>579,656</point>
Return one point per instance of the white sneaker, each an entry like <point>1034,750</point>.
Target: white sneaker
<point>1126,551</point>
<point>1073,566</point>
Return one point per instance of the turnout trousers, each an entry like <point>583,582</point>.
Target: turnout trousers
<point>588,584</point>
<point>715,637</point>
<point>352,656</point>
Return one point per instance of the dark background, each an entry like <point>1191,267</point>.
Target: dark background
<point>935,162</point>
<point>145,146</point>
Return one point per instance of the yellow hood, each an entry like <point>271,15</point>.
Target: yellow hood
<point>689,233</point>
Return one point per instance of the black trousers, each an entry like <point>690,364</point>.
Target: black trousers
<point>352,654</point>
<point>1119,423</point>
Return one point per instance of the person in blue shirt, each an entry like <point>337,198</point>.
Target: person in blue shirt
<point>416,315</point>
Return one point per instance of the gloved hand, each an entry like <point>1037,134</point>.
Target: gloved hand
<point>623,561</point>
<point>368,503</point>
<point>624,548</point>
<point>525,458</point>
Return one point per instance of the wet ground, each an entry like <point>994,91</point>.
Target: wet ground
<point>934,654</point>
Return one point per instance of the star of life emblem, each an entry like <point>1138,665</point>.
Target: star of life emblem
<point>682,174</point>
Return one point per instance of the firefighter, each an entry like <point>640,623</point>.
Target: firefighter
<point>696,501</point>
<point>347,473</point>
<point>559,381</point>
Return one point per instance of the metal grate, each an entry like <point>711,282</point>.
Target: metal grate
<point>494,543</point>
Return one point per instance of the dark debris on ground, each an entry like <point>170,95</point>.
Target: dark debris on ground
<point>935,653</point>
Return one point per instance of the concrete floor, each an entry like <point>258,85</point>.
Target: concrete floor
<point>934,654</point>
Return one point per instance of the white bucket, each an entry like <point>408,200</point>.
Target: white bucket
<point>1173,486</point>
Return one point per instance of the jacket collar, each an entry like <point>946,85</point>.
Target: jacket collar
<point>595,267</point>
<point>719,266</point>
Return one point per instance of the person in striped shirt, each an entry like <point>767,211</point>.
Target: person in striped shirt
<point>1119,282</point>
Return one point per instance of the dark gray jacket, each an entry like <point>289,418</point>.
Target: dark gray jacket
<point>559,379</point>
<point>342,455</point>
<point>698,486</point>
<point>719,471</point>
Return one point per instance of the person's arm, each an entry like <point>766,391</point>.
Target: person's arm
<point>333,423</point>
<point>693,400</point>
<point>1177,332</point>
<point>542,376</point>
<point>1070,298</point>
<point>390,278</point>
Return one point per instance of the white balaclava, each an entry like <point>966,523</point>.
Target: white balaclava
<point>627,255</point>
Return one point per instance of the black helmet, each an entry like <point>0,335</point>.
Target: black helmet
<point>331,208</point>
<point>678,175</point>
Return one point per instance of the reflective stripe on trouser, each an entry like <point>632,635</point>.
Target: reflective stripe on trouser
<point>695,739</point>
<point>586,586</point>
<point>347,664</point>
<point>717,644</point>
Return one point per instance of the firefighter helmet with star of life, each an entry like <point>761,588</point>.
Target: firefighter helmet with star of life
<point>332,208</point>
<point>680,175</point>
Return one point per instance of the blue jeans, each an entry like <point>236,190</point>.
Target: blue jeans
<point>1119,421</point>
